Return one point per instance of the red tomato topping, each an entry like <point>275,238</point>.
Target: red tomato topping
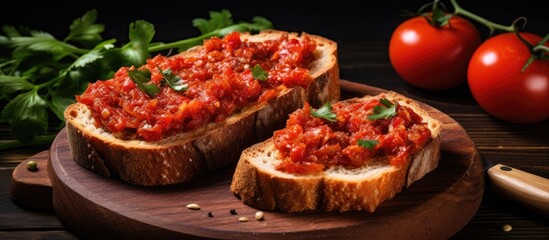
<point>310,145</point>
<point>220,83</point>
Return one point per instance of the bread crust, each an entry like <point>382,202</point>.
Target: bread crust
<point>259,185</point>
<point>185,156</point>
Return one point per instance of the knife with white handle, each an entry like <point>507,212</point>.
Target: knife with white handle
<point>528,189</point>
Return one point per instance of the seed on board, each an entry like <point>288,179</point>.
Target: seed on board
<point>506,228</point>
<point>210,214</point>
<point>193,206</point>
<point>243,219</point>
<point>259,216</point>
<point>32,166</point>
<point>232,211</point>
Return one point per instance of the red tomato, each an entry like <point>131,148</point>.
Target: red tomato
<point>496,81</point>
<point>433,58</point>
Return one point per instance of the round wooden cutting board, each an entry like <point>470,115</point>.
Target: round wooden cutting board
<point>96,207</point>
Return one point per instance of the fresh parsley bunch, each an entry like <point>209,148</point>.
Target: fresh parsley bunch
<point>40,74</point>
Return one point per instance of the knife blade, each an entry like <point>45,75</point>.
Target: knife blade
<point>528,189</point>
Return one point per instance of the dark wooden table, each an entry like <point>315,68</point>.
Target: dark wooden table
<point>522,146</point>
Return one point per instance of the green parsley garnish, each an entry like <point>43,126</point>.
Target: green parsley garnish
<point>40,73</point>
<point>259,73</point>
<point>384,111</point>
<point>325,112</point>
<point>370,144</point>
<point>174,81</point>
<point>141,78</point>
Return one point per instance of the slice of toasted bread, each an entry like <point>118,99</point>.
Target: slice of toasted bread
<point>185,156</point>
<point>257,182</point>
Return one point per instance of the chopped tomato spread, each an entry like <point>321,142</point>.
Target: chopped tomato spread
<point>310,145</point>
<point>219,79</point>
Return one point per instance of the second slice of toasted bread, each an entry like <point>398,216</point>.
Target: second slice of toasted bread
<point>257,182</point>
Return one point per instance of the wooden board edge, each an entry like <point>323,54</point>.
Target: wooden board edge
<point>32,189</point>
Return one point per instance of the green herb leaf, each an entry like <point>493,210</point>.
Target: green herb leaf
<point>95,54</point>
<point>27,116</point>
<point>258,24</point>
<point>12,84</point>
<point>11,31</point>
<point>217,20</point>
<point>72,81</point>
<point>219,24</point>
<point>136,51</point>
<point>141,31</point>
<point>43,42</point>
<point>174,81</point>
<point>44,73</point>
<point>4,41</point>
<point>325,112</point>
<point>84,30</point>
<point>386,110</point>
<point>39,41</point>
<point>141,78</point>
<point>259,73</point>
<point>59,102</point>
<point>370,144</point>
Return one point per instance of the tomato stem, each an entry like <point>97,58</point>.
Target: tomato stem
<point>439,18</point>
<point>489,24</point>
<point>541,46</point>
<point>540,50</point>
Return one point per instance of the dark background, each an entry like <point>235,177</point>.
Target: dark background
<point>339,20</point>
<point>363,35</point>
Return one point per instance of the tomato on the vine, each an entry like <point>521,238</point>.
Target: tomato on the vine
<point>499,86</point>
<point>433,58</point>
